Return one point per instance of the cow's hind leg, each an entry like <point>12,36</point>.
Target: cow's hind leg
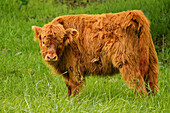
<point>131,74</point>
<point>151,76</point>
<point>128,65</point>
<point>151,79</point>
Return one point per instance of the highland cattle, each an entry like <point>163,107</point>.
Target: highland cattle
<point>80,45</point>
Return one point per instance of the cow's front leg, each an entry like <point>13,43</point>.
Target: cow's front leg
<point>74,82</point>
<point>69,84</point>
<point>66,78</point>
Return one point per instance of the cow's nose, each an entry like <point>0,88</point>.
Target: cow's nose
<point>51,58</point>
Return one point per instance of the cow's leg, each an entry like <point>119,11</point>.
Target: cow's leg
<point>151,81</point>
<point>152,75</point>
<point>131,74</point>
<point>77,85</point>
<point>128,65</point>
<point>74,83</point>
<point>66,78</point>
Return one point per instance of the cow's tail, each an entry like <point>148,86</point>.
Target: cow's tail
<point>148,56</point>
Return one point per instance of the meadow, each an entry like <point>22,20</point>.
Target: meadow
<point>27,85</point>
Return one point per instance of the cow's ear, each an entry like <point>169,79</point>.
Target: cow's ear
<point>71,34</point>
<point>59,20</point>
<point>37,31</point>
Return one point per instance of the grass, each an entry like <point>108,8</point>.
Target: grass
<point>27,85</point>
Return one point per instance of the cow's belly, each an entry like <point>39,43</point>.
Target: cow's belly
<point>100,69</point>
<point>106,70</point>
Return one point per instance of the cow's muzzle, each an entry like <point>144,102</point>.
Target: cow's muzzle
<point>50,57</point>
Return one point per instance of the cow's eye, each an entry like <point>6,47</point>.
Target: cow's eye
<point>43,43</point>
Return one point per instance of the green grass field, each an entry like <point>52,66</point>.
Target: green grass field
<point>27,85</point>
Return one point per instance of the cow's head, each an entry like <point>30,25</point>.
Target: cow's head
<point>53,38</point>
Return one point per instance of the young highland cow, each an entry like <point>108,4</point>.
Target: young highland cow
<point>79,45</point>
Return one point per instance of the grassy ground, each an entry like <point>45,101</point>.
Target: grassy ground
<point>27,85</point>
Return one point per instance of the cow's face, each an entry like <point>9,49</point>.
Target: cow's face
<point>53,39</point>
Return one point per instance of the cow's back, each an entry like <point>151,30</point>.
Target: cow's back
<point>97,36</point>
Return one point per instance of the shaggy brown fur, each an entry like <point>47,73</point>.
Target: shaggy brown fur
<point>101,44</point>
